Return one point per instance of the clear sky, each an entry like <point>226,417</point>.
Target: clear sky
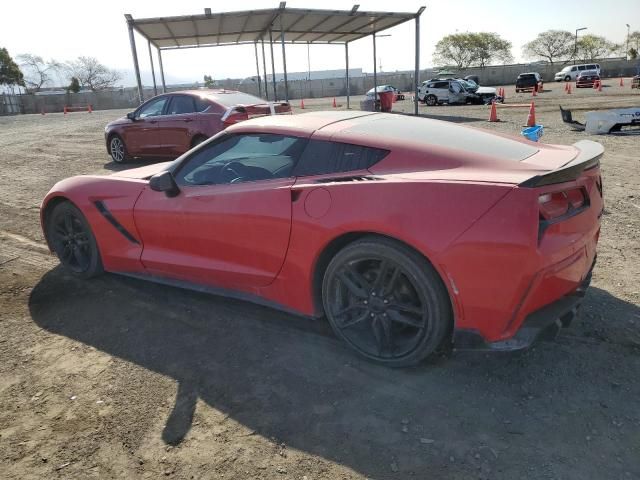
<point>65,30</point>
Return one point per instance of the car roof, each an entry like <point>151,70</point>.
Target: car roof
<point>218,95</point>
<point>382,130</point>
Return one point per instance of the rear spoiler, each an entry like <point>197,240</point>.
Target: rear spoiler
<point>588,157</point>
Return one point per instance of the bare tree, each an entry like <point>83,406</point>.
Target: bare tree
<point>552,45</point>
<point>92,74</point>
<point>37,72</point>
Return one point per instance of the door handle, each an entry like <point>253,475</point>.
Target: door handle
<point>188,120</point>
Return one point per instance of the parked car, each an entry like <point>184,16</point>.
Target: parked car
<point>454,90</point>
<point>570,72</point>
<point>168,125</point>
<point>587,78</point>
<point>398,95</point>
<point>407,233</point>
<point>528,81</point>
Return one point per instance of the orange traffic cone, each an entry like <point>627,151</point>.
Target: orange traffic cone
<point>504,95</point>
<point>531,119</point>
<point>493,114</point>
<point>302,103</point>
<point>569,89</point>
<point>621,82</point>
<point>566,86</point>
<point>599,85</point>
<point>65,109</point>
<point>334,103</point>
<point>533,92</point>
<point>90,109</point>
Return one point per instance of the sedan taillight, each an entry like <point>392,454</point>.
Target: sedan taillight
<point>234,115</point>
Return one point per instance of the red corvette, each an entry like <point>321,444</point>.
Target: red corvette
<point>407,233</point>
<point>170,124</point>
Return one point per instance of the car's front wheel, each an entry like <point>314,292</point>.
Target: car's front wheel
<point>431,100</point>
<point>117,149</point>
<point>72,240</point>
<point>386,301</point>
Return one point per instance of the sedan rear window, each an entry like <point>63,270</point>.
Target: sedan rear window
<point>236,98</point>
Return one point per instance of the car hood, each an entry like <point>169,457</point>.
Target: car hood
<point>143,172</point>
<point>119,121</point>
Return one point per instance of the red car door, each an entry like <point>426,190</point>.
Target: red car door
<point>178,126</point>
<point>141,135</point>
<point>229,226</point>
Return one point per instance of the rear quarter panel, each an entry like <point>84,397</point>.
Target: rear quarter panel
<point>428,216</point>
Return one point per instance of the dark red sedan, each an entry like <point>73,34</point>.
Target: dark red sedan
<point>587,79</point>
<point>170,124</point>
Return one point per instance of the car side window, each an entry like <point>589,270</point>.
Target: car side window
<point>153,108</point>
<point>582,67</point>
<point>181,104</point>
<point>574,69</point>
<point>322,157</point>
<point>201,105</point>
<point>241,158</point>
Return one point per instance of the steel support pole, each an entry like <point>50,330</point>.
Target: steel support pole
<point>375,74</point>
<point>136,67</point>
<point>153,72</point>
<point>255,47</point>
<point>164,86</point>
<point>416,73</point>
<point>284,62</point>
<point>273,67</point>
<point>264,71</point>
<point>346,61</point>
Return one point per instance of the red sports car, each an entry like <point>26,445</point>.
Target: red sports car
<point>170,124</point>
<point>407,233</point>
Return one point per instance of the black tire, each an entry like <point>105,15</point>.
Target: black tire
<point>118,149</point>
<point>431,100</point>
<point>71,238</point>
<point>567,78</point>
<point>386,302</point>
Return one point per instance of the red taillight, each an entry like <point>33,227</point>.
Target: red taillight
<point>234,115</point>
<point>556,204</point>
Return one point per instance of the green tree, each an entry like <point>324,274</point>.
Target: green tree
<point>208,81</point>
<point>552,45</point>
<point>472,48</point>
<point>454,49</point>
<point>74,86</point>
<point>633,53</point>
<point>10,72</point>
<point>591,47</point>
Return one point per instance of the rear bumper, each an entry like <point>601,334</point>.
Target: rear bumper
<point>543,324</point>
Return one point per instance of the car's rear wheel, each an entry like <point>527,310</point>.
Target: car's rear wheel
<point>386,301</point>
<point>72,240</point>
<point>431,100</point>
<point>117,149</point>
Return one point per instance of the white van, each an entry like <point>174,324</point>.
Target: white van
<point>570,72</point>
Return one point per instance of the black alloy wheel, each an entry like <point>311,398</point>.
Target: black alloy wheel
<point>386,301</point>
<point>73,242</point>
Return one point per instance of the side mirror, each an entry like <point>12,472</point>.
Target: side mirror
<point>131,115</point>
<point>164,182</point>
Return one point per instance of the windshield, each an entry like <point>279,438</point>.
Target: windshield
<point>566,69</point>
<point>469,85</point>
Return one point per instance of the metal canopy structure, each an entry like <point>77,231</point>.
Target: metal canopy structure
<point>282,25</point>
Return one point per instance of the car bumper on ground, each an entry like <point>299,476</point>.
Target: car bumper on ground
<point>542,324</point>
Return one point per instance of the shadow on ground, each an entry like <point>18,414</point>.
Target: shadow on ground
<point>490,416</point>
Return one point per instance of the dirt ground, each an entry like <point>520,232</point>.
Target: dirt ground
<point>117,378</point>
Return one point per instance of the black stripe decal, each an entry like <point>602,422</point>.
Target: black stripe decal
<point>111,219</point>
